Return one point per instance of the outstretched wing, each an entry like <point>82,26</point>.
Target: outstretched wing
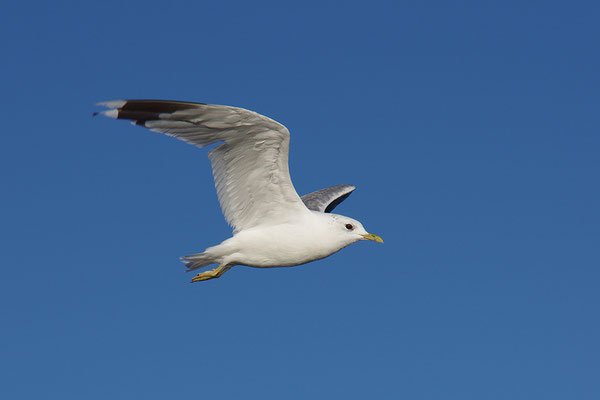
<point>325,200</point>
<point>250,166</point>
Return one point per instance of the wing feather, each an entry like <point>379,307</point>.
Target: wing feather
<point>325,200</point>
<point>250,166</point>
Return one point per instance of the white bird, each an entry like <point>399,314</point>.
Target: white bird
<point>273,226</point>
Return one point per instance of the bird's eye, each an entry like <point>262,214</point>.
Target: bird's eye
<point>349,227</point>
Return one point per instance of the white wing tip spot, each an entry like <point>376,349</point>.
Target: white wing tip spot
<point>111,113</point>
<point>112,104</point>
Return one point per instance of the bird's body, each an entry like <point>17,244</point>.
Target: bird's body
<point>267,247</point>
<point>273,226</point>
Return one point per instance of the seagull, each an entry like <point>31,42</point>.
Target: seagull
<point>272,225</point>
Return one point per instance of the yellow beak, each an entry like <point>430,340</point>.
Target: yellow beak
<point>375,238</point>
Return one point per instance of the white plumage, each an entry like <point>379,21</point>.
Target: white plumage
<point>272,224</point>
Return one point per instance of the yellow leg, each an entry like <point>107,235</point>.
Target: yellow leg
<point>212,274</point>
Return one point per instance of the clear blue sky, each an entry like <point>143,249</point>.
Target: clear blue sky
<point>471,130</point>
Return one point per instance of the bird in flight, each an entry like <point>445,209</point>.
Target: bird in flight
<point>272,225</point>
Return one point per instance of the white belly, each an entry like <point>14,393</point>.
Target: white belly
<point>279,246</point>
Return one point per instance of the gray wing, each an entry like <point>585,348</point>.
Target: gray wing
<point>250,166</point>
<point>325,200</point>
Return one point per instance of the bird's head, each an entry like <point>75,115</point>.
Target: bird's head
<point>351,230</point>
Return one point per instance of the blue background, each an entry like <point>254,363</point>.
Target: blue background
<point>470,128</point>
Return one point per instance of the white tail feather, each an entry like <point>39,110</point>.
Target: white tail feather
<point>195,261</point>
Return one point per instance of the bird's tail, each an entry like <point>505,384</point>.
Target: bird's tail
<point>195,261</point>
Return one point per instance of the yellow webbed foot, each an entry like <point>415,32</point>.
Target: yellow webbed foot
<point>212,274</point>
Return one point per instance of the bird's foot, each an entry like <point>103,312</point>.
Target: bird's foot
<point>212,274</point>
<point>204,276</point>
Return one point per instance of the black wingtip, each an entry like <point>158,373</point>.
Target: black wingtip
<point>337,201</point>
